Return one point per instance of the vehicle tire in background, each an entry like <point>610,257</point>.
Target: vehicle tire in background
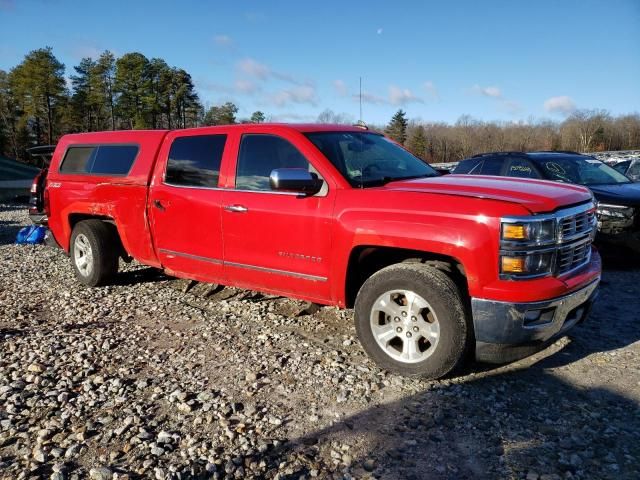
<point>411,320</point>
<point>94,252</point>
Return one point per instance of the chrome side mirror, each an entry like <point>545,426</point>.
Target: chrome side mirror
<point>295,180</point>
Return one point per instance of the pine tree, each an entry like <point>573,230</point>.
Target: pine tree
<point>104,76</point>
<point>397,128</point>
<point>132,85</point>
<point>39,87</point>
<point>418,143</point>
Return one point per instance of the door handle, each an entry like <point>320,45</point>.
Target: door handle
<point>158,205</point>
<point>236,208</point>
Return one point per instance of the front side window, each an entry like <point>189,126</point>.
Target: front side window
<point>261,154</point>
<point>194,161</point>
<point>369,159</point>
<point>634,171</point>
<point>99,159</point>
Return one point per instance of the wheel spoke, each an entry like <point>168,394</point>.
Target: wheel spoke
<point>409,348</point>
<point>384,333</point>
<point>389,306</point>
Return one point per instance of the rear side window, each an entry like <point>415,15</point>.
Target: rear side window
<point>194,161</point>
<point>491,166</point>
<point>466,167</point>
<point>521,168</point>
<point>99,159</point>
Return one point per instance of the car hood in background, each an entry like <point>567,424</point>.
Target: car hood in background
<point>627,194</point>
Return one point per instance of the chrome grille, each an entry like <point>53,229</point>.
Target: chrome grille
<point>575,237</point>
<point>573,256</point>
<point>576,225</point>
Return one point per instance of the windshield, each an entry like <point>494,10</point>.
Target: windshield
<point>581,170</point>
<point>368,159</point>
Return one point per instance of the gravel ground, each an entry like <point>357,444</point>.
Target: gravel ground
<point>145,379</point>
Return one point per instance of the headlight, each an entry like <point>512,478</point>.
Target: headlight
<point>522,244</point>
<point>532,232</point>
<point>615,211</point>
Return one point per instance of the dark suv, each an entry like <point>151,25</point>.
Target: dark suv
<point>618,197</point>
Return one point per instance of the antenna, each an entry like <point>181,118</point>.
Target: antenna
<point>360,99</point>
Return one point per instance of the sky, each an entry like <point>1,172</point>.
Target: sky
<point>492,60</point>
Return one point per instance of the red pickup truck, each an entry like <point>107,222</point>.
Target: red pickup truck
<point>436,268</point>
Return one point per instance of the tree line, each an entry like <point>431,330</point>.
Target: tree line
<point>38,104</point>
<point>582,131</point>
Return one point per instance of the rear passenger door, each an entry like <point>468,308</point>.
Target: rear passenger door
<point>184,204</point>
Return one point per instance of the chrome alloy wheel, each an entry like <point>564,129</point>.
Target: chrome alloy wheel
<point>82,255</point>
<point>404,326</point>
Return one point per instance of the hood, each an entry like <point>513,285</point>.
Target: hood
<point>627,194</point>
<point>538,196</point>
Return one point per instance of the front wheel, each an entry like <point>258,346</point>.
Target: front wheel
<point>94,252</point>
<point>411,320</point>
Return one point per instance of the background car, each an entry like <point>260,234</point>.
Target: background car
<point>630,168</point>
<point>618,197</point>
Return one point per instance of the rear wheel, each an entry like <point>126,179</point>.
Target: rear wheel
<point>410,319</point>
<point>94,252</point>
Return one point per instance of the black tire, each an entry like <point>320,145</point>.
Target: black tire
<point>103,245</point>
<point>436,288</point>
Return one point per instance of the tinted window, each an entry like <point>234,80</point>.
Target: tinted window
<point>634,171</point>
<point>622,166</point>
<point>99,160</point>
<point>259,155</point>
<point>521,168</point>
<point>466,167</point>
<point>113,159</point>
<point>77,159</point>
<point>195,161</point>
<point>491,166</point>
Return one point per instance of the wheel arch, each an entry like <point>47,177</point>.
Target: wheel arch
<point>365,260</point>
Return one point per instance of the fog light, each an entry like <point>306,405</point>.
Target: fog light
<point>513,264</point>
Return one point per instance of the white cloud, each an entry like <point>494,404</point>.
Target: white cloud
<point>300,94</point>
<point>431,90</point>
<point>250,67</point>
<point>370,98</point>
<point>402,96</point>
<point>379,31</point>
<point>253,68</point>
<point>245,86</point>
<point>291,117</point>
<point>563,105</point>
<point>340,87</point>
<point>493,92</point>
<point>223,40</point>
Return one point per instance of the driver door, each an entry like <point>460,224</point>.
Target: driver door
<point>275,241</point>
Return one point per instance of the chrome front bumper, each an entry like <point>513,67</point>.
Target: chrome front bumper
<point>501,326</point>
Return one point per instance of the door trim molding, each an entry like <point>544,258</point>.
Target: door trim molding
<point>190,256</point>
<point>288,273</point>
<point>216,261</point>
